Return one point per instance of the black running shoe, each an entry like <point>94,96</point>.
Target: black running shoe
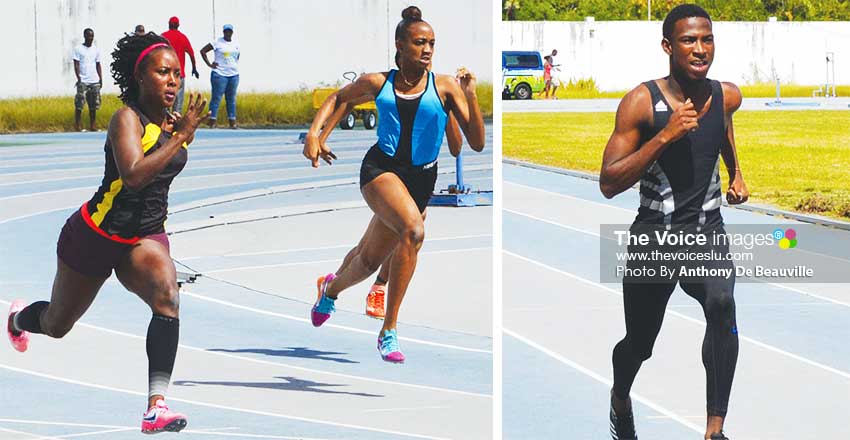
<point>719,436</point>
<point>622,427</point>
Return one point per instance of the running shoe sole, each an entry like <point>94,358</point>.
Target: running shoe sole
<point>175,426</point>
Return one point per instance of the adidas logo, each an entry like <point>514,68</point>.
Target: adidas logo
<point>660,106</point>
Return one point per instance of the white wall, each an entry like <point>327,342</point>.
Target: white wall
<point>286,44</point>
<point>619,55</point>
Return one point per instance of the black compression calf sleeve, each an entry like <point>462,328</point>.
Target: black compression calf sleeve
<point>163,335</point>
<point>29,319</point>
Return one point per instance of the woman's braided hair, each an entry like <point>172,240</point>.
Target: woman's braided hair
<point>124,61</point>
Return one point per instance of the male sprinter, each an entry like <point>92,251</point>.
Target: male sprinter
<point>669,135</point>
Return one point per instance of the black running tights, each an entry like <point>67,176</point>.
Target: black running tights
<point>644,309</point>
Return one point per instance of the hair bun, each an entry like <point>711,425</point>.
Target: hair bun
<point>411,13</point>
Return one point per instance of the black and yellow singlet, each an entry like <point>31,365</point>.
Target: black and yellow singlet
<point>122,214</point>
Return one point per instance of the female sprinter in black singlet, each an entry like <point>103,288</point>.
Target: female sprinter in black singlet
<point>121,227</point>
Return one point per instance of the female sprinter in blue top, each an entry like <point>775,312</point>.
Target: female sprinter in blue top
<point>398,174</point>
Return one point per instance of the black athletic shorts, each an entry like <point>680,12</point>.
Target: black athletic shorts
<point>419,180</point>
<point>90,253</point>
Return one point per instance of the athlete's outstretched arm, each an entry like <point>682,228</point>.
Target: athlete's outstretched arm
<point>340,112</point>
<point>463,102</point>
<point>125,133</point>
<point>365,87</point>
<point>737,192</point>
<point>625,159</point>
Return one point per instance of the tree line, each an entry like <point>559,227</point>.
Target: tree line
<point>720,10</point>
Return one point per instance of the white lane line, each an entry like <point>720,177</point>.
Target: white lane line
<point>472,168</point>
<point>216,406</point>
<point>112,428</point>
<point>604,380</point>
<point>100,172</point>
<point>188,180</point>
<point>52,179</point>
<point>320,248</point>
<point>301,263</point>
<point>665,417</point>
<point>417,408</point>
<point>281,364</point>
<point>42,193</point>
<point>107,431</point>
<point>578,199</point>
<point>46,211</point>
<point>813,295</point>
<point>781,286</point>
<point>233,434</point>
<point>768,347</point>
<point>341,327</point>
<point>583,231</point>
<point>27,435</point>
<point>49,423</point>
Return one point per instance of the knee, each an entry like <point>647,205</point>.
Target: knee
<point>635,350</point>
<point>720,307</point>
<point>413,234</point>
<point>166,301</point>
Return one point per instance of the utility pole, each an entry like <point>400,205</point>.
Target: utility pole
<point>648,10</point>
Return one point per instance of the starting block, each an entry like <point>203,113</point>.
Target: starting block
<point>186,277</point>
<point>460,194</point>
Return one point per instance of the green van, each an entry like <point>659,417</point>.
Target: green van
<point>522,74</point>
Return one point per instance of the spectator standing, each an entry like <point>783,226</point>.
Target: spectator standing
<point>89,79</point>
<point>180,42</point>
<point>225,74</point>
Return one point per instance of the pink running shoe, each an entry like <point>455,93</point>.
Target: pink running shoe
<point>22,341</point>
<point>160,418</point>
<point>388,347</point>
<point>324,305</point>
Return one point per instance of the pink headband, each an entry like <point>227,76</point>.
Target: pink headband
<point>147,51</point>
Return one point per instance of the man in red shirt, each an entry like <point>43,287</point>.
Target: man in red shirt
<point>181,45</point>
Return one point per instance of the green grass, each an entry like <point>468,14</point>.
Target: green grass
<point>484,91</point>
<point>768,90</point>
<point>254,110</point>
<point>795,160</point>
<point>587,89</point>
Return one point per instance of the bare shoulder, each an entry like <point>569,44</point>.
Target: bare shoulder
<point>636,105</point>
<point>123,115</point>
<point>122,120</point>
<point>375,79</point>
<point>445,82</point>
<point>731,96</point>
<point>638,95</point>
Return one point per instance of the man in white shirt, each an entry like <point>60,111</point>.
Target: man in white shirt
<point>89,79</point>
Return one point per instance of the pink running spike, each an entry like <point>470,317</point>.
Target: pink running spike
<point>324,306</point>
<point>159,418</point>
<point>21,341</point>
